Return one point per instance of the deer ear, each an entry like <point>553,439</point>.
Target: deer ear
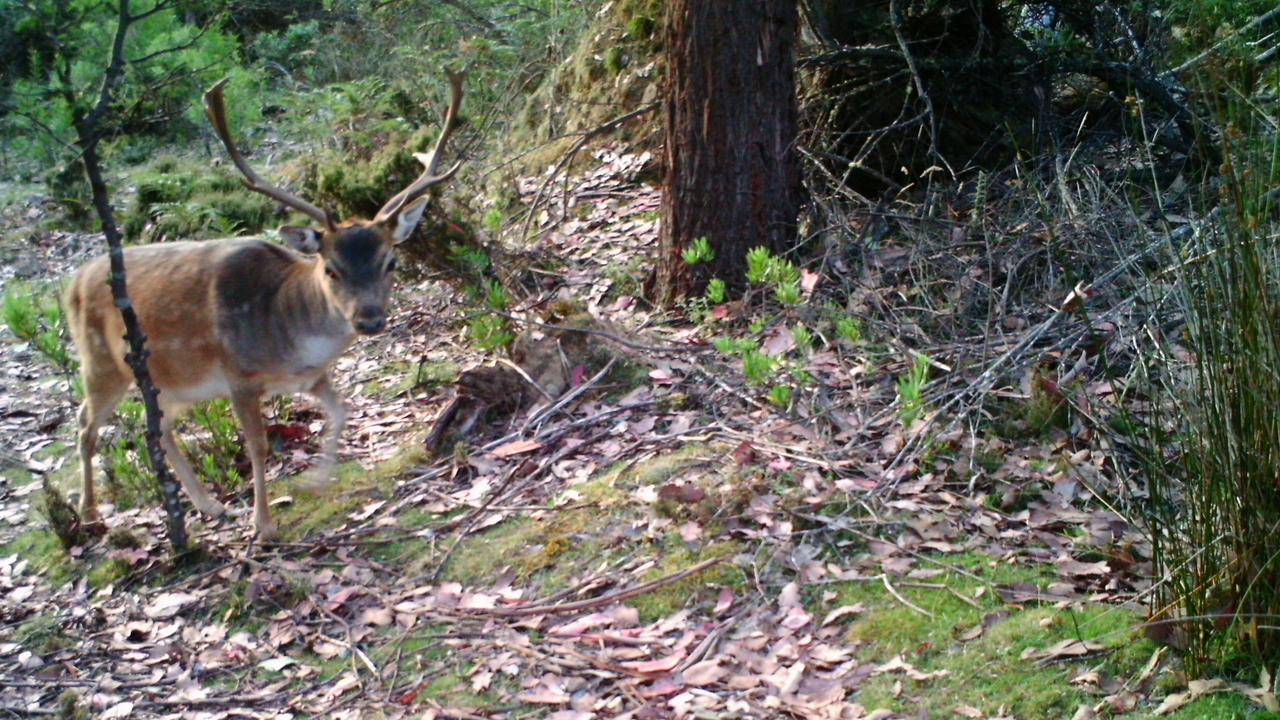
<point>407,219</point>
<point>303,239</point>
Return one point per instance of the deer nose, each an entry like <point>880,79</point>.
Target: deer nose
<point>370,320</point>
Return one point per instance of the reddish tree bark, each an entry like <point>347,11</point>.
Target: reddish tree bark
<point>733,174</point>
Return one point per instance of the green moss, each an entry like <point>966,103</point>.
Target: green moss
<point>42,635</point>
<point>702,587</point>
<point>615,60</point>
<point>327,508</point>
<point>396,379</point>
<point>42,549</point>
<point>181,199</point>
<point>663,468</point>
<point>481,558</point>
<point>107,573</point>
<point>988,672</point>
<point>401,551</point>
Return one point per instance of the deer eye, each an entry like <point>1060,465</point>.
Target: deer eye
<point>391,265</point>
<point>333,274</point>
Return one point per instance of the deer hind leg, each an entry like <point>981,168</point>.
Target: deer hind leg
<point>200,497</point>
<point>102,393</point>
<point>248,407</point>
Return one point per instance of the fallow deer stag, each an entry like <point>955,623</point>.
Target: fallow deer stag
<point>244,318</point>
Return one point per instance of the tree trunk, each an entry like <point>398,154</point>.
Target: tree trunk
<point>733,174</point>
<point>137,355</point>
<point>88,131</point>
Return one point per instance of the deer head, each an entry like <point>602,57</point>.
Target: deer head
<point>357,262</point>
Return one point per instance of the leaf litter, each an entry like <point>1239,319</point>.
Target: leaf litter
<point>328,627</point>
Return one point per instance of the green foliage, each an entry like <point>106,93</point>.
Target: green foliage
<point>130,481</point>
<point>781,395</point>
<point>182,200</point>
<point>36,317</point>
<point>759,368</point>
<point>803,338</point>
<point>493,221</point>
<point>911,391</point>
<point>759,263</point>
<point>788,293</point>
<point>289,47</point>
<point>765,268</point>
<point>211,440</point>
<point>1211,463</point>
<point>735,346</point>
<point>491,333</point>
<point>69,46</point>
<point>700,251</point>
<point>472,261</point>
<point>1200,23</point>
<point>717,292</point>
<point>641,27</point>
<point>219,444</point>
<point>615,60</point>
<point>496,296</point>
<point>849,328</point>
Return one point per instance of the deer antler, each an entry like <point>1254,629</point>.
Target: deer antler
<point>217,112</point>
<point>431,160</point>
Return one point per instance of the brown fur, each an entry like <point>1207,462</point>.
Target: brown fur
<point>232,318</point>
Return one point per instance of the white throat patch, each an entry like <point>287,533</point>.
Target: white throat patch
<point>317,351</point>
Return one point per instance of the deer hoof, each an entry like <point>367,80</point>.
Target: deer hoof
<point>268,532</point>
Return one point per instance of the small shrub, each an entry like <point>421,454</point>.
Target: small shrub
<point>218,444</point>
<point>758,367</point>
<point>36,317</point>
<point>700,251</point>
<point>130,482</point>
<point>717,292</point>
<point>849,328</point>
<point>911,391</point>
<point>491,333</point>
<point>63,519</point>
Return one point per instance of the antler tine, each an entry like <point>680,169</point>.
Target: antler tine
<point>217,112</point>
<point>430,161</point>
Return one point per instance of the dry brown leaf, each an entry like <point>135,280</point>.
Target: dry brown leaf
<point>166,605</point>
<point>843,611</point>
<point>707,672</point>
<point>515,447</point>
<point>662,665</point>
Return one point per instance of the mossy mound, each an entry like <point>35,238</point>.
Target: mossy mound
<point>616,69</point>
<point>179,199</point>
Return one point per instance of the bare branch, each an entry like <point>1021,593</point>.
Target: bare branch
<point>176,48</point>
<point>216,109</point>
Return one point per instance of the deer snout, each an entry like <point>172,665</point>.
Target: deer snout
<point>370,319</point>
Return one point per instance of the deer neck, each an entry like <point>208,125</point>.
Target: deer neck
<point>317,331</point>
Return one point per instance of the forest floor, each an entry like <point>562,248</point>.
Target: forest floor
<point>661,542</point>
